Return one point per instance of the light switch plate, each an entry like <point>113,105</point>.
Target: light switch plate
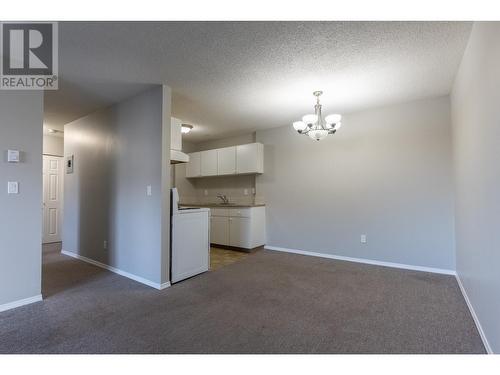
<point>363,238</point>
<point>13,156</point>
<point>13,187</point>
<point>245,191</point>
<point>149,192</point>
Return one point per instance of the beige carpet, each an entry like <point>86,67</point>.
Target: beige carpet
<point>269,302</point>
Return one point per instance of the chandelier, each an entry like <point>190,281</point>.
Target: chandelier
<point>314,125</point>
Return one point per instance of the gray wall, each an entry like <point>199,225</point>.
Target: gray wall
<point>476,144</point>
<point>21,116</point>
<point>53,145</point>
<point>387,174</point>
<point>117,152</point>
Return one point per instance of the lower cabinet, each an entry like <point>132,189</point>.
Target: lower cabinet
<point>219,230</point>
<point>239,232</point>
<point>238,227</point>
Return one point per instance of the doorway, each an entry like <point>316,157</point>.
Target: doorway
<point>52,198</point>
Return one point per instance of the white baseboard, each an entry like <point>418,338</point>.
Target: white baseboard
<point>165,285</point>
<point>118,271</point>
<point>365,261</point>
<point>474,316</point>
<point>21,302</point>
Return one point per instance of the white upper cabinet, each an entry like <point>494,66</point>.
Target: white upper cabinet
<point>226,160</point>
<point>250,158</point>
<point>193,167</point>
<point>209,163</point>
<point>242,159</point>
<point>175,134</point>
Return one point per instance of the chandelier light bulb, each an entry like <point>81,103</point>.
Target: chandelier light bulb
<point>310,119</point>
<point>299,126</point>
<point>333,119</point>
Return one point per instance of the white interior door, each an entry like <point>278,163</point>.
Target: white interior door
<point>52,198</point>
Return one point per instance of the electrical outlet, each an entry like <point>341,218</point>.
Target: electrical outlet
<point>245,191</point>
<point>149,191</point>
<point>105,245</point>
<point>13,187</point>
<point>363,238</point>
<point>253,191</point>
<point>205,192</point>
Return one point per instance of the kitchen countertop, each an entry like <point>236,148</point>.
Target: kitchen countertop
<point>215,205</point>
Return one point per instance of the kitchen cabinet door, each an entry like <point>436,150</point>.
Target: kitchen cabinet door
<point>226,160</point>
<point>193,167</point>
<point>175,134</point>
<point>209,163</point>
<point>219,230</point>
<point>250,158</point>
<point>240,232</point>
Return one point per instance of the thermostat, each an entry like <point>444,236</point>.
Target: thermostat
<point>13,156</point>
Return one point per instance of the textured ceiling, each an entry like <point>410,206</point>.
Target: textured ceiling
<point>230,78</point>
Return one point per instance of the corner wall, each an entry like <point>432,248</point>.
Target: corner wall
<point>476,144</point>
<point>387,174</point>
<point>118,152</point>
<point>21,118</point>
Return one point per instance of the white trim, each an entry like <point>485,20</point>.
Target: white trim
<point>21,302</point>
<point>165,285</point>
<point>365,261</point>
<point>118,271</point>
<point>474,316</point>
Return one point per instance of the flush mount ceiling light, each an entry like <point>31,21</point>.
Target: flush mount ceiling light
<point>186,128</point>
<point>52,131</point>
<point>315,126</point>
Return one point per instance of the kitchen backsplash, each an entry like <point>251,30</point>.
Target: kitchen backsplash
<point>238,189</point>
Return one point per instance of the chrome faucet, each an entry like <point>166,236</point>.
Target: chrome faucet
<point>223,197</point>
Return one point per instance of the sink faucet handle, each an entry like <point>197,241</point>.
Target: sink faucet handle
<point>223,197</point>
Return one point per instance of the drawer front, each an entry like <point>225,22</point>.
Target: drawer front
<point>240,212</point>
<point>219,212</point>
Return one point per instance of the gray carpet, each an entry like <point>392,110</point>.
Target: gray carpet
<point>269,302</point>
